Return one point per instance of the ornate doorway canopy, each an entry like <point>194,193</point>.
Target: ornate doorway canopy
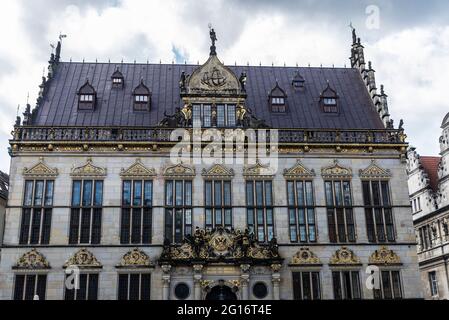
<point>221,245</point>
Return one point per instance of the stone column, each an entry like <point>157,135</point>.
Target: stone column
<point>166,277</point>
<point>276,279</point>
<point>197,277</point>
<point>244,279</point>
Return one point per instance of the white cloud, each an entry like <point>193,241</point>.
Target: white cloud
<point>412,63</point>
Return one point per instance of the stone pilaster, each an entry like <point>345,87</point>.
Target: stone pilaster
<point>197,277</point>
<point>244,280</point>
<point>166,278</point>
<point>276,279</point>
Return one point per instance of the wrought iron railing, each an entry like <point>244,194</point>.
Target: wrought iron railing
<point>158,134</point>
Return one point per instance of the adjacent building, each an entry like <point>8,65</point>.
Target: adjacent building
<point>4,183</point>
<point>94,186</point>
<point>429,196</point>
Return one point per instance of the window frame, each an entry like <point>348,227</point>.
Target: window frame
<point>347,210</point>
<point>372,211</point>
<point>141,274</point>
<point>87,288</point>
<point>214,208</point>
<point>93,209</point>
<point>381,291</point>
<point>23,288</point>
<point>305,207</point>
<point>44,211</point>
<point>132,209</point>
<point>298,293</point>
<point>342,284</point>
<point>255,208</point>
<point>433,284</point>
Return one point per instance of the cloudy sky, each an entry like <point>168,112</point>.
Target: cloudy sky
<point>409,45</point>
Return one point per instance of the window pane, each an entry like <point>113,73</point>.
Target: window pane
<point>209,217</point>
<point>46,227</point>
<point>148,193</point>
<point>331,225</point>
<point>297,293</point>
<point>169,193</point>
<point>38,193</point>
<point>76,194</point>
<point>85,226</point>
<point>30,286</point>
<point>206,116</point>
<point>147,223</point>
<point>397,285</point>
<point>25,226</point>
<point>338,194</point>
<point>123,287</point>
<point>337,286</point>
<point>329,193</point>
<point>98,198</point>
<point>356,285</point>
<point>218,217</point>
<point>217,192</point>
<point>300,193</point>
<point>93,287</point>
<point>49,193</point>
<point>145,287</point>
<point>125,225</point>
<point>376,193</point>
<point>178,226</point>
<point>290,193</point>
<point>169,225</point>
<point>347,193</point>
<point>249,193</point>
<point>309,193</point>
<point>208,193</point>
<point>18,287</point>
<point>134,286</point>
<point>87,193</point>
<point>385,194</point>
<point>220,115</point>
<point>386,285</point>
<point>231,115</point>
<point>227,193</point>
<point>307,294</point>
<point>268,194</point>
<point>136,225</point>
<point>366,193</point>
<point>259,193</point>
<point>196,115</point>
<point>178,190</point>
<point>188,193</point>
<point>137,197</point>
<point>74,226</point>
<point>228,217</point>
<point>28,198</point>
<point>35,226</point>
<point>316,286</point>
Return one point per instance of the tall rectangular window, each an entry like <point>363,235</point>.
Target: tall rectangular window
<point>134,286</point>
<point>346,285</point>
<point>378,211</point>
<point>433,284</point>
<point>137,202</point>
<point>259,212</point>
<point>36,212</point>
<point>29,285</point>
<point>178,209</point>
<point>301,211</point>
<point>391,288</point>
<point>86,212</point>
<point>306,286</point>
<point>340,216</point>
<point>218,206</point>
<point>88,288</point>
<point>224,115</point>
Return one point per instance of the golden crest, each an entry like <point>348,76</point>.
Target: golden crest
<point>32,260</point>
<point>305,257</point>
<point>336,171</point>
<point>83,258</point>
<point>375,172</point>
<point>298,171</point>
<point>384,256</point>
<point>88,170</point>
<point>258,170</point>
<point>344,256</point>
<point>137,170</point>
<point>179,170</point>
<point>218,171</point>
<point>40,170</point>
<point>220,242</point>
<point>135,258</point>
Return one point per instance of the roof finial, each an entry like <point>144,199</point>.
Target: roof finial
<point>354,34</point>
<point>213,38</point>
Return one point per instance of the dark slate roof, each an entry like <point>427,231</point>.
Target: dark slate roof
<point>4,185</point>
<point>114,105</point>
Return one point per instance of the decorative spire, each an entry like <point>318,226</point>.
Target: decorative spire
<point>213,38</point>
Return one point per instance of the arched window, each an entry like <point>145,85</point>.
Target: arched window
<point>329,100</point>
<point>118,80</point>
<point>298,80</point>
<point>277,100</point>
<point>142,97</point>
<point>87,97</point>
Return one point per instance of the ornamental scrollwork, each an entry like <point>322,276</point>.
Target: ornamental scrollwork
<point>258,170</point>
<point>299,171</point>
<point>137,170</point>
<point>218,171</point>
<point>344,256</point>
<point>336,171</point>
<point>220,244</point>
<point>88,170</point>
<point>40,170</point>
<point>384,256</point>
<point>32,260</point>
<point>374,172</point>
<point>135,258</point>
<point>305,257</point>
<point>179,170</point>
<point>83,258</point>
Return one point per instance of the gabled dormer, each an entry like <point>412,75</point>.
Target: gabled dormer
<point>277,99</point>
<point>87,97</point>
<point>298,80</point>
<point>329,100</point>
<point>142,97</point>
<point>118,80</point>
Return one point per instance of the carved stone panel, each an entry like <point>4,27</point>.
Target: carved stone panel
<point>384,256</point>
<point>83,258</point>
<point>375,172</point>
<point>305,257</point>
<point>135,258</point>
<point>299,171</point>
<point>344,256</point>
<point>137,170</point>
<point>40,170</point>
<point>88,170</point>
<point>32,260</point>
<point>336,171</point>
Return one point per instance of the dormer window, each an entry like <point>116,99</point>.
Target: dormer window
<point>87,97</point>
<point>117,79</point>
<point>142,97</point>
<point>298,80</point>
<point>329,100</point>
<point>277,99</point>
